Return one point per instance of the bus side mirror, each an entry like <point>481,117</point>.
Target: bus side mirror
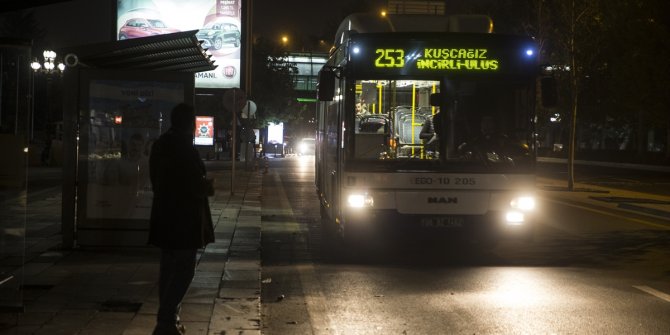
<point>434,99</point>
<point>325,89</point>
<point>549,92</point>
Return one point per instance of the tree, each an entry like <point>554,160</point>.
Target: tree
<point>639,72</point>
<point>272,83</point>
<point>617,52</point>
<point>578,34</point>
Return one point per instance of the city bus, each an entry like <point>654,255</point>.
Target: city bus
<point>426,132</point>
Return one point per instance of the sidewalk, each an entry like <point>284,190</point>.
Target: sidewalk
<point>643,203</point>
<point>114,290</point>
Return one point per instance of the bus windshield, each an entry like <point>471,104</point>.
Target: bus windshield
<point>475,125</point>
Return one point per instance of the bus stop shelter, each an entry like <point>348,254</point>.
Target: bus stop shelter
<point>116,102</point>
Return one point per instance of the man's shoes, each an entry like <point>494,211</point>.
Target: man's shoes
<point>177,329</point>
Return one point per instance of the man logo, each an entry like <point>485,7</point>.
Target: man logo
<point>229,71</point>
<point>442,200</point>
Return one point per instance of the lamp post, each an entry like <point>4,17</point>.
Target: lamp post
<point>48,66</point>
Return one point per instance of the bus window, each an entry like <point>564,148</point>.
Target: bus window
<point>399,122</point>
<point>396,111</point>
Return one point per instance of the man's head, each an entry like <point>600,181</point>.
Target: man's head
<point>183,117</point>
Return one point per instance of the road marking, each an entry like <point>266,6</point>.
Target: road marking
<point>656,293</point>
<point>644,222</point>
<point>317,306</point>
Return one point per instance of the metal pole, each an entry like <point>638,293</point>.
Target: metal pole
<point>31,100</point>
<point>16,109</point>
<point>2,67</point>
<point>249,46</point>
<point>234,144</point>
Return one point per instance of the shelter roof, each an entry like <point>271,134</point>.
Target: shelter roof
<point>178,52</point>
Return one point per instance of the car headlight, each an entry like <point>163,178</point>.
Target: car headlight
<point>523,203</point>
<point>303,147</point>
<point>360,200</point>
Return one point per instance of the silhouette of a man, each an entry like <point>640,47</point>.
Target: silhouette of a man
<point>180,216</point>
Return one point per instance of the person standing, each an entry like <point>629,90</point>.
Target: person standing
<point>430,134</point>
<point>180,221</point>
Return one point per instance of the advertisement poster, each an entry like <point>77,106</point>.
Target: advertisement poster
<point>126,117</point>
<point>218,22</point>
<point>204,130</point>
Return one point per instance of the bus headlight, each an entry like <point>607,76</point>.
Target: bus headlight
<point>360,200</point>
<point>520,206</point>
<point>523,203</point>
<point>514,218</point>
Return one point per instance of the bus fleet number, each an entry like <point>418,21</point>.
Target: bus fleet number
<point>390,58</point>
<point>444,181</point>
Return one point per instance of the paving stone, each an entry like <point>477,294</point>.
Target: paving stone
<point>241,275</point>
<point>35,318</point>
<point>233,316</point>
<point>193,312</point>
<point>238,293</point>
<point>71,291</point>
<point>141,324</point>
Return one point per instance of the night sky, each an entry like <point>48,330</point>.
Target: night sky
<point>309,17</point>
<point>78,22</point>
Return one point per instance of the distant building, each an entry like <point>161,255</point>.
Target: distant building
<point>309,64</point>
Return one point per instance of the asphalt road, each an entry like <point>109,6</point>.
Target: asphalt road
<point>586,272</point>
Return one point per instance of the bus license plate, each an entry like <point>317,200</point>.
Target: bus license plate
<point>442,222</point>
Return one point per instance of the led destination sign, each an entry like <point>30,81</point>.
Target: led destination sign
<point>437,59</point>
<point>438,54</point>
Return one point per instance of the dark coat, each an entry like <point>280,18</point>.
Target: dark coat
<point>180,215</point>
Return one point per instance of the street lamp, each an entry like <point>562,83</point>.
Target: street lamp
<point>48,66</point>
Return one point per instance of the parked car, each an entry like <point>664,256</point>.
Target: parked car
<point>141,27</point>
<point>217,34</point>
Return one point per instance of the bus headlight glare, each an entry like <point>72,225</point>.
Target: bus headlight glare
<point>514,218</point>
<point>360,200</point>
<point>524,203</point>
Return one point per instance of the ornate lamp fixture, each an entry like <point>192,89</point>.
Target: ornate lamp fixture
<point>49,65</point>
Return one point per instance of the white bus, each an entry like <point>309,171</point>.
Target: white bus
<point>381,167</point>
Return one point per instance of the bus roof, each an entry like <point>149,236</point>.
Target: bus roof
<point>369,23</point>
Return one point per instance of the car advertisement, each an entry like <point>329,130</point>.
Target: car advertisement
<point>218,23</point>
<point>204,130</point>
